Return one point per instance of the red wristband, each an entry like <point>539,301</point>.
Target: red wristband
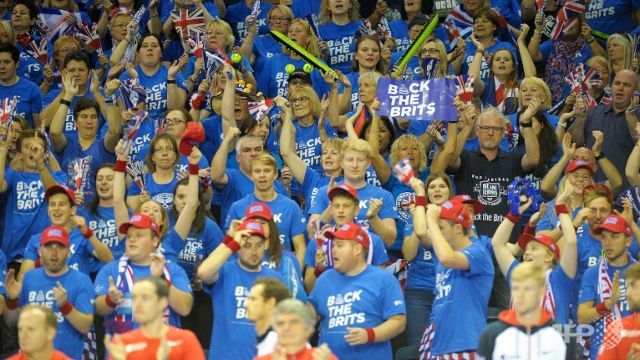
<point>12,304</point>
<point>233,245</point>
<point>194,169</point>
<point>513,218</point>
<point>371,335</point>
<point>528,229</point>
<point>168,282</point>
<point>110,302</point>
<point>421,201</point>
<point>561,209</point>
<point>66,308</point>
<point>88,234</point>
<point>121,166</point>
<point>227,239</point>
<point>602,308</point>
<point>317,272</point>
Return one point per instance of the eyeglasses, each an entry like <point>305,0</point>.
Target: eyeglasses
<point>429,52</point>
<point>119,25</point>
<point>278,19</point>
<point>488,129</point>
<point>168,150</point>
<point>301,100</point>
<point>171,122</point>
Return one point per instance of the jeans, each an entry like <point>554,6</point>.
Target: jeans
<point>418,304</point>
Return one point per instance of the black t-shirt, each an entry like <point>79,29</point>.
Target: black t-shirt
<point>488,181</point>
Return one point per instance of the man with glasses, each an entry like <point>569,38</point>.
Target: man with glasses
<point>486,173</point>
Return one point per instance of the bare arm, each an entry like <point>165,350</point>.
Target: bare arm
<point>448,257</point>
<point>632,170</point>
<point>389,329</point>
<point>120,211</point>
<point>176,96</point>
<point>188,213</point>
<point>527,63</point>
<point>500,239</point>
<point>287,143</point>
<point>300,247</point>
<point>379,164</point>
<point>228,100</point>
<point>444,157</point>
<point>219,161</point>
<point>532,146</point>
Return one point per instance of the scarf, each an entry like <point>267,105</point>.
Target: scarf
<point>558,63</point>
<point>548,303</point>
<point>506,97</point>
<point>123,321</point>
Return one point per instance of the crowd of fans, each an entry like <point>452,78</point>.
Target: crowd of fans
<point>177,184</point>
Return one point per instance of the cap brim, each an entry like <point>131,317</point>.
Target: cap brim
<point>337,189</point>
<point>46,242</point>
<point>57,189</point>
<point>606,227</point>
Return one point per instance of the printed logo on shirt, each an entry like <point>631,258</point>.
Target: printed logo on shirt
<point>242,30</point>
<point>139,142</point>
<point>402,203</point>
<point>29,195</point>
<point>45,299</point>
<point>164,199</point>
<point>340,309</point>
<point>156,99</point>
<point>490,191</point>
<point>340,50</point>
<point>307,151</point>
<point>282,80</point>
<point>596,10</point>
<point>69,124</point>
<point>32,68</point>
<point>442,289</point>
<point>192,251</point>
<point>105,231</point>
<point>241,293</point>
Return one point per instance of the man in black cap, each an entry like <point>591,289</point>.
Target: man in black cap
<point>298,79</point>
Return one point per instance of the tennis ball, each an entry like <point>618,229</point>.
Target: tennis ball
<point>290,68</point>
<point>236,58</point>
<point>307,68</point>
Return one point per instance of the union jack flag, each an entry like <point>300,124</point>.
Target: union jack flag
<point>581,81</point>
<point>464,89</point>
<point>461,22</point>
<point>54,22</point>
<point>452,31</point>
<point>38,52</point>
<point>567,17</point>
<point>188,22</point>
<point>196,44</point>
<point>403,171</point>
<point>89,37</point>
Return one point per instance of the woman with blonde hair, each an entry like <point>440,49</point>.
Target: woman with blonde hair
<point>618,53</point>
<point>259,48</point>
<point>273,79</point>
<point>339,21</point>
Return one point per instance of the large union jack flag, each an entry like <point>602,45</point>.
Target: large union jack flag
<point>567,17</point>
<point>188,22</point>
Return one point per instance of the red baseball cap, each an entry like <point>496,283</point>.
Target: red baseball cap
<point>61,189</point>
<point>351,231</point>
<point>254,227</point>
<point>467,199</point>
<point>545,240</point>
<point>598,188</point>
<point>258,210</point>
<point>140,221</point>
<point>54,234</point>
<point>193,135</point>
<point>615,224</point>
<point>456,211</point>
<point>343,188</point>
<point>579,164</point>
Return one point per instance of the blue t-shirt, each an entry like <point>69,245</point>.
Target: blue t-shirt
<point>455,289</point>
<point>191,251</point>
<point>590,249</point>
<point>365,300</point>
<point>387,211</point>
<point>422,268</point>
<point>563,289</point>
<point>308,144</point>
<point>3,272</point>
<point>81,258</point>
<point>37,289</point>
<point>25,209</point>
<point>341,43</point>
<point>103,225</point>
<point>30,101</point>
<point>179,279</point>
<point>611,16</point>
<point>264,47</point>
<point>303,8</point>
<point>239,186</point>
<point>289,269</point>
<point>28,66</point>
<point>378,252</point>
<point>313,181</point>
<point>234,336</point>
<point>273,79</point>
<point>97,155</point>
<point>589,292</point>
<point>403,195</point>
<point>157,90</point>
<point>161,193</point>
<point>287,215</point>
<point>237,14</point>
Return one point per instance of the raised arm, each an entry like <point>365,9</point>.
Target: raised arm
<point>569,253</point>
<point>610,170</point>
<point>229,99</point>
<point>548,183</point>
<point>121,48</point>
<point>100,250</point>
<point>532,146</point>
<point>188,213</point>
<point>5,141</point>
<point>219,162</point>
<point>632,170</point>
<point>444,157</point>
<point>176,96</point>
<point>287,142</point>
<point>448,257</point>
<point>246,48</point>
<point>476,64</point>
<point>120,211</point>
<point>527,64</point>
<point>69,91</point>
<point>534,43</point>
<point>210,268</point>
<point>379,163</point>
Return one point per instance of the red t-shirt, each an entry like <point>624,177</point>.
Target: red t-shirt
<point>183,344</point>
<point>618,340</point>
<point>57,355</point>
<point>305,354</point>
